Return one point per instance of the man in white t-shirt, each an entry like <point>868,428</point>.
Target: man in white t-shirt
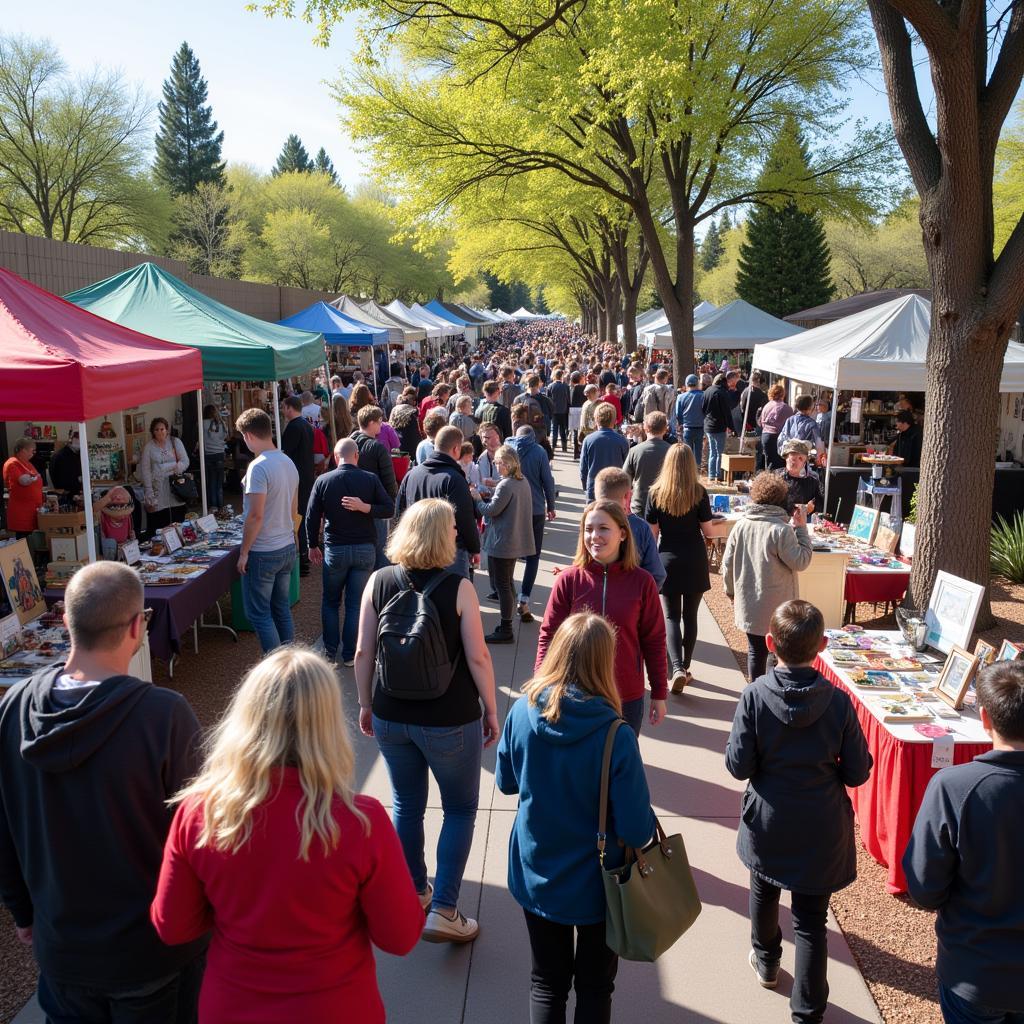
<point>268,553</point>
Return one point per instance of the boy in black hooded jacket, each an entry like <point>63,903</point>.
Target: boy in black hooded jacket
<point>797,741</point>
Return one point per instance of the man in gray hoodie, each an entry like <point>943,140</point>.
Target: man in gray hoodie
<point>89,757</point>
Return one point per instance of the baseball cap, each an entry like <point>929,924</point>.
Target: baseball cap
<point>692,381</point>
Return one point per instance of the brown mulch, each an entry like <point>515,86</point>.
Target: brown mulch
<point>892,941</point>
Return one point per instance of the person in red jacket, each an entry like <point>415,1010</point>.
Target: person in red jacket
<point>606,577</point>
<point>296,874</point>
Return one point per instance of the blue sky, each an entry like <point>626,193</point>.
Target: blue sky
<point>266,78</point>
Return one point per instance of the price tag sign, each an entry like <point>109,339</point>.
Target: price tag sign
<point>130,552</point>
<point>942,751</point>
<point>207,524</point>
<point>172,542</point>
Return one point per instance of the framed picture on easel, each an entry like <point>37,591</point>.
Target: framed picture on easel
<point>863,523</point>
<point>952,611</point>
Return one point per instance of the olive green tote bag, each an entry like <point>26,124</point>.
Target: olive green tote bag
<point>652,899</point>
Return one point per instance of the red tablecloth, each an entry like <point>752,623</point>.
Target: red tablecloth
<point>876,586</point>
<point>887,804</point>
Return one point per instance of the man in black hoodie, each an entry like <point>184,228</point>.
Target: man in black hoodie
<point>441,476</point>
<point>89,757</point>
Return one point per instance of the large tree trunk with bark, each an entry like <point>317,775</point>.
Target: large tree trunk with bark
<point>629,304</point>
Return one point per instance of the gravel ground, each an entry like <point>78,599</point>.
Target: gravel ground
<point>892,941</point>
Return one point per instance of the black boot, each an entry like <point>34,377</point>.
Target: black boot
<point>502,634</point>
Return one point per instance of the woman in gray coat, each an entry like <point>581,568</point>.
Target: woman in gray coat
<point>508,535</point>
<point>763,554</point>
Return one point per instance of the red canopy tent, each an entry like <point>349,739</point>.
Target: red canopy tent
<point>60,361</point>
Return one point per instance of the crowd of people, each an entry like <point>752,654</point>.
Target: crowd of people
<point>160,877</point>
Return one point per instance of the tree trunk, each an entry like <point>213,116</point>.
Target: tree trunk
<point>629,304</point>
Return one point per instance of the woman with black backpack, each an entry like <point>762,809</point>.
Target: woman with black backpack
<point>422,638</point>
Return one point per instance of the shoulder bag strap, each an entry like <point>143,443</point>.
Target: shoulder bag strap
<point>435,583</point>
<point>606,763</point>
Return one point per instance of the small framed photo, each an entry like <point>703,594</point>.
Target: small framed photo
<point>985,653</point>
<point>957,675</point>
<point>139,423</point>
<point>863,523</point>
<point>1009,651</point>
<point>172,542</point>
<point>952,611</point>
<point>188,532</point>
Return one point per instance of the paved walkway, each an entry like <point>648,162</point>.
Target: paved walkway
<point>704,978</point>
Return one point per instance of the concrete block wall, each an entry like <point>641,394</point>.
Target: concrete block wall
<point>61,267</point>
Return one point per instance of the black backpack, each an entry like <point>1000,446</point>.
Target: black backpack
<point>412,652</point>
<point>489,413</point>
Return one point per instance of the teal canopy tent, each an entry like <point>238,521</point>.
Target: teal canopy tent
<point>234,346</point>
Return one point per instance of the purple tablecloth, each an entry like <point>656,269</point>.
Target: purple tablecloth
<point>176,608</point>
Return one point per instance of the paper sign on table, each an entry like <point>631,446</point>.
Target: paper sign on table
<point>207,524</point>
<point>942,751</point>
<point>130,552</point>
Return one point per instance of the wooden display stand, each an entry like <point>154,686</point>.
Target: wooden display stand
<point>732,464</point>
<point>823,584</point>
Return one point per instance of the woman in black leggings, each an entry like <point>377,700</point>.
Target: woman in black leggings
<point>679,514</point>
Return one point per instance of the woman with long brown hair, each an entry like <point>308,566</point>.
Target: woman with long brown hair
<point>276,803</point>
<point>606,577</point>
<point>360,396</point>
<point>550,754</point>
<point>679,514</point>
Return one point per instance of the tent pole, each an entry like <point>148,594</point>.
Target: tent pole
<point>330,406</point>
<point>833,423</point>
<point>202,448</point>
<point>277,413</point>
<point>83,455</point>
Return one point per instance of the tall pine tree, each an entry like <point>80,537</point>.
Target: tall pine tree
<point>324,165</point>
<point>711,249</point>
<point>784,264</point>
<point>188,145</point>
<point>293,157</point>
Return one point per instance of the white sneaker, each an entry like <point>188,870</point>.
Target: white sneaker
<point>349,662</point>
<point>442,929</point>
<point>426,897</point>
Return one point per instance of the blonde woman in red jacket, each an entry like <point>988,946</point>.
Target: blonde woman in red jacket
<point>297,875</point>
<point>605,577</point>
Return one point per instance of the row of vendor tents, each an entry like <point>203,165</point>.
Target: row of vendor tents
<point>882,348</point>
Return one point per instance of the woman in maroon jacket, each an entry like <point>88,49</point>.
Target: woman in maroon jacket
<point>605,577</point>
<point>297,876</point>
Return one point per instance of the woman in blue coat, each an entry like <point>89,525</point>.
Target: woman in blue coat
<point>550,754</point>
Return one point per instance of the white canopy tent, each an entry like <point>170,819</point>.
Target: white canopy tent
<point>411,332</point>
<point>738,325</point>
<point>403,312</point>
<point>448,329</point>
<point>884,348</point>
<point>351,308</point>
<point>522,313</point>
<point>658,334</point>
<point>501,315</point>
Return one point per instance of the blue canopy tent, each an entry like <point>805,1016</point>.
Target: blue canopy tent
<point>338,330</point>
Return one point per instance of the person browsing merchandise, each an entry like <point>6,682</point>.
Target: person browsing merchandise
<point>270,503</point>
<point>297,443</point>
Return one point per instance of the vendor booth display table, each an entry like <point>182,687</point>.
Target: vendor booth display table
<point>887,804</point>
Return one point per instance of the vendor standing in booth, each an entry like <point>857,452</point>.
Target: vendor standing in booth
<point>908,439</point>
<point>801,481</point>
<point>66,467</point>
<point>163,457</point>
<point>24,488</point>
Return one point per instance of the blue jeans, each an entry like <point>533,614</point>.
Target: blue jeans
<point>214,480</point>
<point>693,437</point>
<point>957,1010</point>
<point>265,587</point>
<point>716,449</point>
<point>533,561</point>
<point>379,558</point>
<point>461,564</point>
<point>452,755</point>
<point>347,567</point>
<point>633,713</point>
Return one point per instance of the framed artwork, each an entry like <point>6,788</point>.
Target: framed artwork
<point>20,581</point>
<point>985,653</point>
<point>952,611</point>
<point>957,675</point>
<point>188,532</point>
<point>863,523</point>
<point>1009,651</point>
<point>886,540</point>
<point>139,423</point>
